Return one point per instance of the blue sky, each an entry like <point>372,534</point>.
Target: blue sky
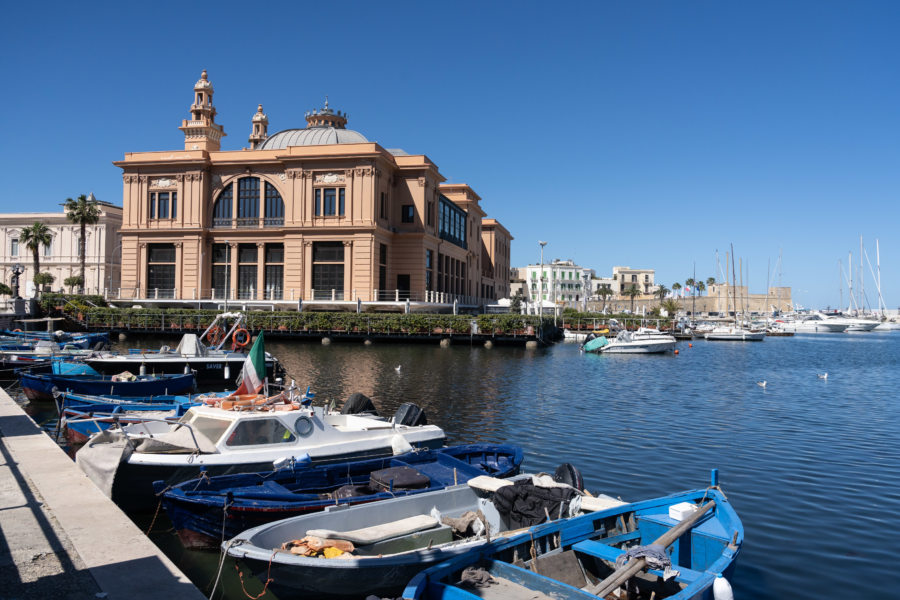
<point>648,134</point>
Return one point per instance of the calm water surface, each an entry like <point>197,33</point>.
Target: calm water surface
<point>812,466</point>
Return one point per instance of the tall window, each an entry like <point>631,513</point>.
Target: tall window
<point>222,209</point>
<point>161,270</point>
<point>382,211</point>
<point>221,270</point>
<point>429,214</point>
<point>163,205</point>
<point>429,270</point>
<point>14,247</point>
<point>329,202</point>
<point>407,213</point>
<point>247,256</point>
<point>328,270</point>
<point>274,206</point>
<point>452,223</point>
<point>382,266</point>
<point>274,271</point>
<point>248,202</point>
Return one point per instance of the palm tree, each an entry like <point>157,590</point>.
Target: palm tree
<point>710,281</point>
<point>691,284</point>
<point>83,212</point>
<point>701,287</point>
<point>604,292</point>
<point>33,238</point>
<point>631,292</point>
<point>676,286</point>
<point>661,292</point>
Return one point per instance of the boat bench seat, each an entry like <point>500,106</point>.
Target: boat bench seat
<point>611,553</point>
<point>378,533</point>
<point>486,483</point>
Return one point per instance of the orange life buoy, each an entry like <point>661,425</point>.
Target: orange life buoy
<point>241,338</point>
<point>215,335</point>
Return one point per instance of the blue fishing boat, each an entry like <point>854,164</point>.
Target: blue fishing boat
<point>678,547</point>
<point>39,386</point>
<point>197,507</point>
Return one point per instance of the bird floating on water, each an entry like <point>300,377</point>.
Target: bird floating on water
<point>822,376</point>
<point>397,368</point>
<point>762,383</point>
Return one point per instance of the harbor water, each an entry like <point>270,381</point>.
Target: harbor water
<point>812,465</point>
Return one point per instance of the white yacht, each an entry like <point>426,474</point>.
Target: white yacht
<point>854,324</point>
<point>644,340</point>
<point>734,333</point>
<point>813,323</point>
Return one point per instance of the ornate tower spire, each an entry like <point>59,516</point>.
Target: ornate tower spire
<point>259,128</point>
<point>326,117</point>
<point>201,131</point>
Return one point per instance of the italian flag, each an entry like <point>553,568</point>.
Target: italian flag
<point>254,370</point>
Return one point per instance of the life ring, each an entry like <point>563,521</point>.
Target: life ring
<point>215,335</point>
<point>241,338</point>
<point>303,426</point>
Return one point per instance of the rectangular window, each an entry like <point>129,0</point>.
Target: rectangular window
<point>429,270</point>
<point>330,202</point>
<point>452,223</point>
<point>247,255</point>
<point>221,270</point>
<point>382,211</point>
<point>328,270</point>
<point>382,266</point>
<point>152,205</point>
<point>341,202</point>
<point>174,205</point>
<point>274,273</point>
<point>14,247</point>
<point>161,270</point>
<point>318,202</point>
<point>248,202</point>
<point>407,214</point>
<point>163,203</point>
<point>429,214</point>
<point>48,249</point>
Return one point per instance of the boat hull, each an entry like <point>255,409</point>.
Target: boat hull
<point>39,386</point>
<point>646,347</point>
<point>209,371</point>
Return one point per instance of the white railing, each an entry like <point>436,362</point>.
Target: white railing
<point>292,296</point>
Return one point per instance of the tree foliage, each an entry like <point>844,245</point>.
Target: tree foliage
<point>83,211</point>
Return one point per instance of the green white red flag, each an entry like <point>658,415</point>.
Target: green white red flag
<point>254,370</point>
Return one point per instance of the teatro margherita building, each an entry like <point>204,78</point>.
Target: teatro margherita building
<point>319,214</point>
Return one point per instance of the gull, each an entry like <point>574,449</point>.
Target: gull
<point>823,376</point>
<point>762,383</point>
<point>397,368</point>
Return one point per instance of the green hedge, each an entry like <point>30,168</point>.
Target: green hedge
<point>192,319</point>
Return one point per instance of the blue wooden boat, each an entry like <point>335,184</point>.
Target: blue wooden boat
<point>196,507</point>
<point>39,386</point>
<point>65,366</point>
<point>697,532</point>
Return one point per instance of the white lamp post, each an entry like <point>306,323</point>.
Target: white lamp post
<point>541,279</point>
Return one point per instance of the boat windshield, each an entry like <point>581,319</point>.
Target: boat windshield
<point>254,432</point>
<point>209,427</point>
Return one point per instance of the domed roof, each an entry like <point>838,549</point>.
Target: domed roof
<point>312,136</point>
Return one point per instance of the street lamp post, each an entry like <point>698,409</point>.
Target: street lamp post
<point>542,279</point>
<point>227,272</point>
<point>17,271</point>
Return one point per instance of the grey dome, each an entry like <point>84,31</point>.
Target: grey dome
<point>312,136</point>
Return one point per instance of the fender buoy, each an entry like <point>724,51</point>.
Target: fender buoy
<point>17,331</point>
<point>241,338</point>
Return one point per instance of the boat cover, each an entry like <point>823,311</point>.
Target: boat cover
<point>190,346</point>
<point>398,478</point>
<point>524,504</point>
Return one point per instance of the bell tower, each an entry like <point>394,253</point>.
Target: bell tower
<point>201,131</point>
<point>259,128</point>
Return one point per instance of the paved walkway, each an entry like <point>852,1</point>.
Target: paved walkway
<point>60,537</point>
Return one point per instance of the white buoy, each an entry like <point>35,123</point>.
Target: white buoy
<point>227,371</point>
<point>722,589</point>
<point>187,368</point>
<point>143,370</point>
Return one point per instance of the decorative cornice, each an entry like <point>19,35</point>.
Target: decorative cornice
<point>330,178</point>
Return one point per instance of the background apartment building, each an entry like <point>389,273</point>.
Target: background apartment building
<point>318,213</point>
<point>61,258</point>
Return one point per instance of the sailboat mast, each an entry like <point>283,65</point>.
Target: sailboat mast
<point>850,280</point>
<point>841,282</point>
<point>881,303</point>
<point>779,280</point>
<point>861,304</point>
<point>733,284</point>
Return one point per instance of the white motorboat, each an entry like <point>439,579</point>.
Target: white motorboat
<point>644,340</point>
<point>249,436</point>
<point>888,326</point>
<point>734,333</point>
<point>854,324</point>
<point>814,323</point>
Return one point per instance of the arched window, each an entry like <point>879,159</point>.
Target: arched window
<point>222,209</point>
<point>247,207</point>
<point>248,202</point>
<point>274,206</point>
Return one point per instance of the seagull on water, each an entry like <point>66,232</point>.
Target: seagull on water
<point>762,383</point>
<point>397,368</point>
<point>823,376</point>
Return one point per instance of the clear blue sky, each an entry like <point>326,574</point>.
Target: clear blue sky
<point>647,134</point>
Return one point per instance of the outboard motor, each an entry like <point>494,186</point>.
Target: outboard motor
<point>358,404</point>
<point>410,414</point>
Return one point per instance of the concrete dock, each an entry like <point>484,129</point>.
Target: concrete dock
<point>60,537</point>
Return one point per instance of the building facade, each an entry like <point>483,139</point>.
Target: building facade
<point>318,213</point>
<point>625,277</point>
<point>61,258</point>
<point>559,282</point>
